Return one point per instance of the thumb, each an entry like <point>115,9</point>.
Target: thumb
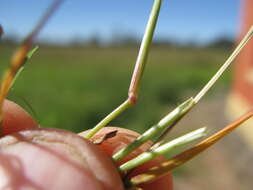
<point>48,159</point>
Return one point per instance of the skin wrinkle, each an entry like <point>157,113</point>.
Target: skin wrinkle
<point>57,154</point>
<point>52,139</point>
<point>91,159</point>
<point>93,168</point>
<point>8,168</point>
<point>26,138</point>
<point>42,139</point>
<point>70,148</point>
<point>67,161</point>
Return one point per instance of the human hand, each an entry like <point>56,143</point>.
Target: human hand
<point>47,159</point>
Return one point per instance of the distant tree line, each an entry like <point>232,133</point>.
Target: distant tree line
<point>125,41</point>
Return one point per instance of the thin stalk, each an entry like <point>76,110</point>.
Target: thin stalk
<point>211,82</point>
<point>28,106</point>
<point>155,129</point>
<point>144,49</point>
<point>19,57</point>
<point>163,149</point>
<point>108,118</point>
<point>138,70</point>
<point>28,56</point>
<point>168,120</point>
<point>225,65</point>
<point>49,12</point>
<point>165,167</point>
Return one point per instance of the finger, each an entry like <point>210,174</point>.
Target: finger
<point>48,159</point>
<point>15,118</point>
<point>123,138</point>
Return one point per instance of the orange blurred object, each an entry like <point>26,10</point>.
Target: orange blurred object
<point>241,97</point>
<point>243,83</point>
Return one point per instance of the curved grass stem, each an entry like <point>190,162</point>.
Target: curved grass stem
<point>28,56</point>
<point>212,81</point>
<point>165,167</point>
<point>169,120</point>
<point>175,116</point>
<point>108,118</point>
<point>19,57</point>
<point>225,65</point>
<point>163,149</point>
<point>138,70</point>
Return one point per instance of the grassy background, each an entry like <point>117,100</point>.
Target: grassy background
<point>75,87</point>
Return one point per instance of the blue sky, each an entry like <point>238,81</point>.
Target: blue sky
<point>183,20</point>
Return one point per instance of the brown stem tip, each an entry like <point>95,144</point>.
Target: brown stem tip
<point>178,160</point>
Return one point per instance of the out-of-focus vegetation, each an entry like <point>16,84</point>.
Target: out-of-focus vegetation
<point>75,87</point>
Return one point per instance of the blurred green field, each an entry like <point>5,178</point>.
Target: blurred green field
<point>74,88</point>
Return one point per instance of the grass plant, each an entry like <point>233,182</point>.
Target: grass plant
<point>160,130</point>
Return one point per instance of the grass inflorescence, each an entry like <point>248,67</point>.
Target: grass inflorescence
<point>158,131</point>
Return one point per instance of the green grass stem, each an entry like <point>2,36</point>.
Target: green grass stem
<point>225,65</point>
<point>172,163</point>
<point>157,129</point>
<point>144,49</point>
<point>138,70</point>
<point>212,81</point>
<point>19,57</point>
<point>108,118</point>
<point>28,56</point>
<point>163,149</point>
